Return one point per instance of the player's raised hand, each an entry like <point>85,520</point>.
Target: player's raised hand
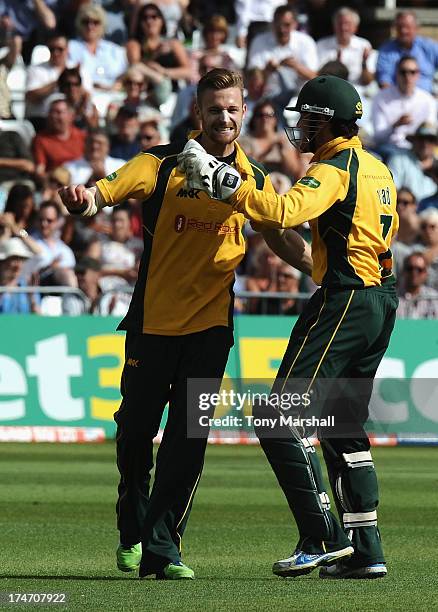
<point>204,171</point>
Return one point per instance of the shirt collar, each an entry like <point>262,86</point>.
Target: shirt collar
<point>330,148</point>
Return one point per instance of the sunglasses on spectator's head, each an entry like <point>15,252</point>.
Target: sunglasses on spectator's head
<point>406,71</point>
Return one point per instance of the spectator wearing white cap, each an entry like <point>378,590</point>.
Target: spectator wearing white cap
<point>13,255</point>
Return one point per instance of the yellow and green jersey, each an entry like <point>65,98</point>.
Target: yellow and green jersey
<point>349,198</point>
<point>192,244</point>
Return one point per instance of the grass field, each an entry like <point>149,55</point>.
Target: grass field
<point>58,535</point>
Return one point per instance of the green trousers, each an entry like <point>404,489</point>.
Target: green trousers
<point>333,353</point>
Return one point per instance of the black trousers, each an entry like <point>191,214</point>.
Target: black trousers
<point>155,374</point>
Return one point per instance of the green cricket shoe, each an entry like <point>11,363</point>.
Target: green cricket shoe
<point>176,571</point>
<point>128,559</point>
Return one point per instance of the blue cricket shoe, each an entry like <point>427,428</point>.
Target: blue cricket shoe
<point>301,563</point>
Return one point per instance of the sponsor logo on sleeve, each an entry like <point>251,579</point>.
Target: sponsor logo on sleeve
<point>111,176</point>
<point>309,181</point>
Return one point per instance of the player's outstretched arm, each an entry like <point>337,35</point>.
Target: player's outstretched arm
<point>204,171</point>
<point>291,247</point>
<point>81,200</point>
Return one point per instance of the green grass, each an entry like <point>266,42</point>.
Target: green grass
<point>58,535</point>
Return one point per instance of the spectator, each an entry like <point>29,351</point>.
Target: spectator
<point>18,218</point>
<point>287,56</point>
<point>96,163</point>
<point>16,162</point>
<point>11,44</point>
<point>214,34</point>
<point>171,11</point>
<point>85,112</point>
<point>254,80</point>
<point>42,80</point>
<point>429,240</point>
<point>56,262</point>
<point>190,123</point>
<point>149,45</point>
<point>185,95</point>
<point>146,91</point>
<point>407,237</point>
<point>21,205</point>
<point>431,201</point>
<point>411,168</point>
<point>60,142</point>
<point>254,18</point>
<point>87,272</point>
<point>30,18</point>
<point>101,59</point>
<point>288,281</point>
<point>119,253</point>
<point>149,134</point>
<point>262,277</point>
<point>407,42</point>
<point>13,255</point>
<point>399,109</point>
<point>125,142</point>
<point>354,52</point>
<point>270,146</point>
<point>416,299</point>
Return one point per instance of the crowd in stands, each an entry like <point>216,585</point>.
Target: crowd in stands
<point>85,86</point>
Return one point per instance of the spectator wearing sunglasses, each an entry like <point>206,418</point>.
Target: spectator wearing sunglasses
<point>146,90</point>
<point>416,299</point>
<point>102,60</point>
<point>429,241</point>
<point>400,109</point>
<point>407,239</point>
<point>149,45</point>
<point>42,79</point>
<point>85,112</point>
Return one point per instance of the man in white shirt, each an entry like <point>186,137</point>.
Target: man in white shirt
<point>42,79</point>
<point>400,109</point>
<point>287,56</point>
<point>353,51</point>
<point>254,13</point>
<point>96,162</point>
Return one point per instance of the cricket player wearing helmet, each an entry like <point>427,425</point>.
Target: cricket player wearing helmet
<point>349,198</point>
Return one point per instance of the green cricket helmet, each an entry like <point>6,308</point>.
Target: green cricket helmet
<point>324,98</point>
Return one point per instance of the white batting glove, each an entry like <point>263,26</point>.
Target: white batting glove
<point>204,171</point>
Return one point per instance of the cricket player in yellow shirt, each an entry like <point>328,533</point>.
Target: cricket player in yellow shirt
<point>349,198</point>
<point>179,324</point>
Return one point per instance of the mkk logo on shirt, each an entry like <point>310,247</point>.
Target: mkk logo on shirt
<point>189,193</point>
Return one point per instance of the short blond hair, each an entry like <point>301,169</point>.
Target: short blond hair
<point>217,79</point>
<point>93,11</point>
